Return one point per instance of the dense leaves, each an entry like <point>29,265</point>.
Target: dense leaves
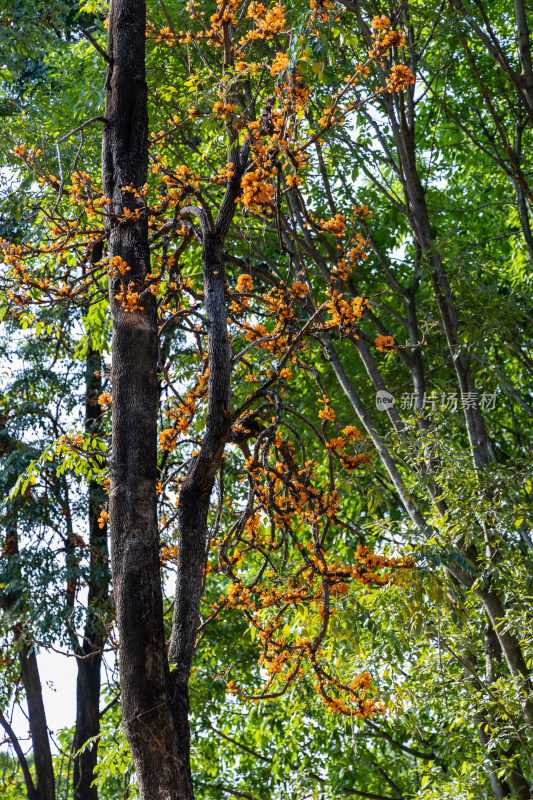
<point>365,620</point>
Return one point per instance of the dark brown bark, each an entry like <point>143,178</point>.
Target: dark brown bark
<point>196,490</point>
<point>87,726</point>
<point>44,787</point>
<point>31,791</point>
<point>155,708</point>
<point>39,730</point>
<point>524,48</point>
<point>89,652</point>
<point>144,672</point>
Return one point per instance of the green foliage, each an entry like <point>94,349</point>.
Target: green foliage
<point>422,639</point>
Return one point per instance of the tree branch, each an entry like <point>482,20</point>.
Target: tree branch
<point>28,780</point>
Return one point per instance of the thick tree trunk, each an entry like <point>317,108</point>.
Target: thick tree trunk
<point>154,706</point>
<point>144,673</point>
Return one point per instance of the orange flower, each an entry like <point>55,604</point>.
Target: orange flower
<point>380,23</point>
<point>244,283</point>
<point>327,412</point>
<point>103,518</point>
<point>400,77</point>
<point>104,399</point>
<point>167,439</point>
<point>384,343</point>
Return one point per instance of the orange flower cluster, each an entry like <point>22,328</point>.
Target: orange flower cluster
<point>257,190</point>
<point>183,414</point>
<point>353,462</point>
<point>384,343</point>
<point>331,692</point>
<point>400,77</point>
<point>344,314</point>
<point>168,439</point>
<point>117,266</point>
<point>299,289</point>
<point>224,175</point>
<point>70,440</point>
<point>384,39</point>
<point>351,433</point>
<point>129,298</point>
<point>335,226</point>
<point>352,256</point>
<point>104,399</point>
<point>321,10</point>
<point>279,305</point>
<point>168,553</point>
<point>268,23</point>
<point>27,154</point>
<point>380,23</point>
<point>225,13</point>
<point>224,110</point>
<point>245,283</point>
<point>279,64</point>
<point>361,212</point>
<point>285,522</point>
<point>327,412</point>
<point>337,445</point>
<point>294,94</point>
<point>103,519</point>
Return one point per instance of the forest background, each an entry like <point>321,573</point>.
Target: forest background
<point>325,204</point>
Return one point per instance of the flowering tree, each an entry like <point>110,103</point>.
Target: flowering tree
<point>246,275</point>
<point>134,235</point>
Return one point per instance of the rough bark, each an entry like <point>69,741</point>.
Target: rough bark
<point>87,726</point>
<point>144,671</point>
<point>196,490</point>
<point>155,707</point>
<point>524,49</point>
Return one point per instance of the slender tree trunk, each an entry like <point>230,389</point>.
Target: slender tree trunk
<point>39,730</point>
<point>89,655</point>
<point>195,493</point>
<point>44,787</point>
<point>87,726</point>
<point>524,49</point>
<point>144,673</point>
<point>24,766</point>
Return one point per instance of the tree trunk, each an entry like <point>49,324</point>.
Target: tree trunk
<point>39,730</point>
<point>89,655</point>
<point>87,726</point>
<point>195,493</point>
<point>144,672</point>
<point>44,787</point>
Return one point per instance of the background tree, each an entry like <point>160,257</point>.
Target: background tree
<point>445,485</point>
